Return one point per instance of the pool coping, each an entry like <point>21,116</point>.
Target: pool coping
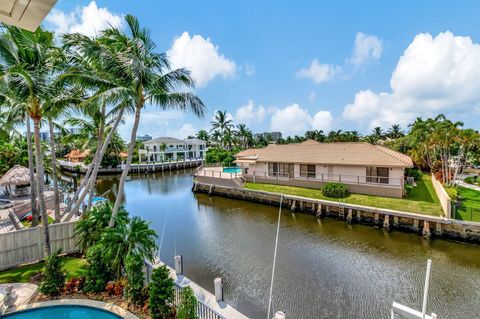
<point>119,311</point>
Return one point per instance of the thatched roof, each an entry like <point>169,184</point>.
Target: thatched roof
<point>17,175</point>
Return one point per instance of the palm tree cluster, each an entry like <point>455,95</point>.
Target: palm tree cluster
<point>94,82</point>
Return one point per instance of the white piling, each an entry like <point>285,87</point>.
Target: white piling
<point>280,315</point>
<point>179,265</point>
<point>425,291</point>
<point>218,283</point>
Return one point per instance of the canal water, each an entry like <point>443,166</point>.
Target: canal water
<point>325,268</point>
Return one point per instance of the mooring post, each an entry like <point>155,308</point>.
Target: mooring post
<point>319,210</point>
<point>341,212</point>
<point>178,265</point>
<point>349,216</point>
<point>426,229</point>
<point>301,206</point>
<point>386,223</point>
<point>396,221</point>
<point>292,208</point>
<point>359,215</point>
<point>218,283</point>
<point>438,229</point>
<point>280,315</point>
<point>415,225</point>
<point>376,219</point>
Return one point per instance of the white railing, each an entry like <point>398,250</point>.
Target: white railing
<point>326,177</point>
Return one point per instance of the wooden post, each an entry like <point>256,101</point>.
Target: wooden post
<point>386,223</point>
<point>396,221</point>
<point>292,208</point>
<point>426,230</point>
<point>349,216</point>
<point>319,210</point>
<point>438,229</point>
<point>359,215</point>
<point>376,219</point>
<point>415,225</point>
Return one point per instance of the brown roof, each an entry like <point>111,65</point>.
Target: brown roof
<point>364,154</point>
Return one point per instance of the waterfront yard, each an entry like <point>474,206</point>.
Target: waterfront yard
<point>422,199</point>
<point>72,266</point>
<point>470,209</point>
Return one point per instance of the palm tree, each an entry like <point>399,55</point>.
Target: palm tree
<point>244,135</point>
<point>395,131</point>
<point>221,122</point>
<point>377,133</point>
<point>143,76</point>
<point>203,135</point>
<point>16,114</point>
<point>28,61</point>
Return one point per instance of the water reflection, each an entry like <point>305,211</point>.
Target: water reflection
<point>325,268</point>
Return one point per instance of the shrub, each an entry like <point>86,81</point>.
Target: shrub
<point>335,190</point>
<point>161,293</point>
<point>470,179</point>
<point>452,192</point>
<point>188,304</point>
<point>98,271</point>
<point>74,285</point>
<point>135,278</point>
<point>53,278</point>
<point>115,288</point>
<point>415,173</point>
<point>408,189</point>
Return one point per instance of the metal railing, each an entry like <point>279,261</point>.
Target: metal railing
<point>218,174</point>
<point>203,311</point>
<point>327,177</point>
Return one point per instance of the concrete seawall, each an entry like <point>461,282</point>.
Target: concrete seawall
<point>425,225</point>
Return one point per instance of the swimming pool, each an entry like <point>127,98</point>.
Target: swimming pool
<point>232,170</point>
<point>63,312</point>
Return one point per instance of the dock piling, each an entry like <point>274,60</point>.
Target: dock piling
<point>179,265</point>
<point>218,283</point>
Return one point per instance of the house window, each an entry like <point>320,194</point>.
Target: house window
<point>285,170</point>
<point>378,175</point>
<point>201,154</point>
<point>272,169</point>
<point>154,148</point>
<point>202,147</point>
<point>308,170</point>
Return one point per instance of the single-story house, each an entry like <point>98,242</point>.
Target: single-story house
<point>363,167</point>
<point>77,156</point>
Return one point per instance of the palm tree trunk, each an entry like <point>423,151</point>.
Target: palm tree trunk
<point>131,147</point>
<point>95,167</point>
<point>33,188</point>
<point>97,159</point>
<point>56,196</point>
<point>40,185</point>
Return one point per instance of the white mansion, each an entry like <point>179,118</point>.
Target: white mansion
<point>170,148</point>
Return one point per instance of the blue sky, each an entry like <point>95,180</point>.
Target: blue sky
<point>294,66</point>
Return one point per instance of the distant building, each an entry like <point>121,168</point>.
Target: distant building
<point>44,136</point>
<point>74,130</point>
<point>170,148</point>
<point>144,138</point>
<point>274,136</point>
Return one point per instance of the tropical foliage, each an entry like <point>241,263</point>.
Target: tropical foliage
<point>53,278</point>
<point>161,293</point>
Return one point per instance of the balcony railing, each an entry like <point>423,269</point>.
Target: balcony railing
<point>326,177</point>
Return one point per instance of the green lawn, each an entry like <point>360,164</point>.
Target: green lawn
<point>74,267</point>
<point>28,224</point>
<point>422,199</point>
<point>470,209</point>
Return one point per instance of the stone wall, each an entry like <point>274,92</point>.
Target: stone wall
<point>426,225</point>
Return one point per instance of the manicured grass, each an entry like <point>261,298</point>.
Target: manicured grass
<point>422,199</point>
<point>470,209</point>
<point>74,267</point>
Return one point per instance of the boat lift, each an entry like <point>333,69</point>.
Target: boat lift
<point>401,311</point>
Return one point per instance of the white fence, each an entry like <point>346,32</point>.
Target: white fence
<point>445,200</point>
<point>26,245</point>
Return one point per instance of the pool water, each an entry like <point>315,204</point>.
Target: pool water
<point>63,312</point>
<point>232,170</point>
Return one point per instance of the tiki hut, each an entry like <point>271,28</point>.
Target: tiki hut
<point>16,181</point>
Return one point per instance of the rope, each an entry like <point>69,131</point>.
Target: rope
<point>274,258</point>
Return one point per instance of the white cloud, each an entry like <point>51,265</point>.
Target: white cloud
<point>201,57</point>
<point>250,114</point>
<point>322,120</point>
<point>434,75</point>
<point>293,120</point>
<point>318,72</point>
<point>184,131</point>
<point>88,20</point>
<point>367,48</point>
